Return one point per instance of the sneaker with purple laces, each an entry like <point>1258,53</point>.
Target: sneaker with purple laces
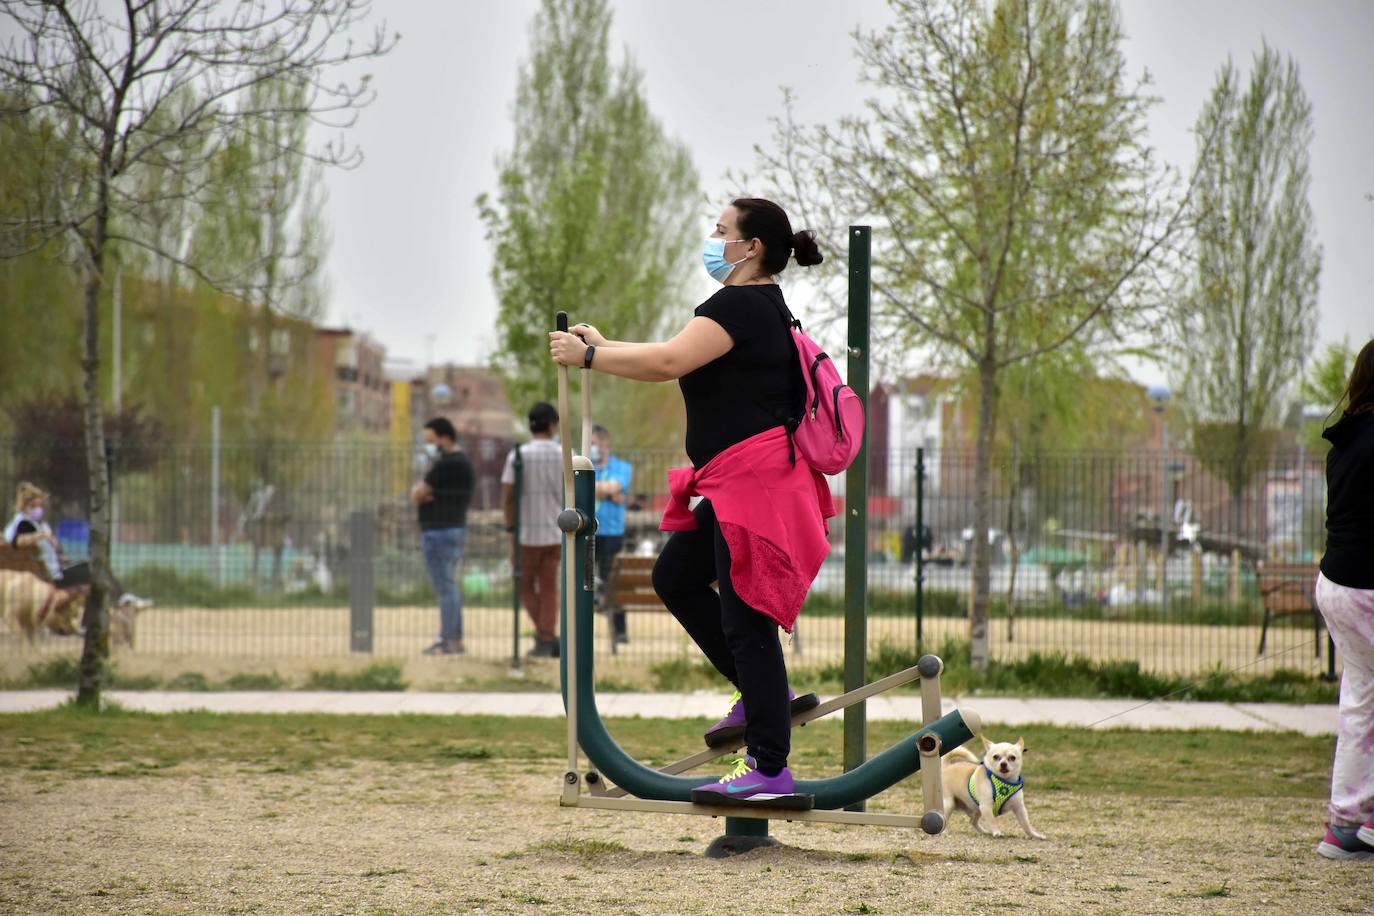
<point>731,728</point>
<point>1366,833</point>
<point>746,785</point>
<point>1343,843</point>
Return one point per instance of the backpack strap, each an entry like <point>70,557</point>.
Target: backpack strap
<point>789,423</point>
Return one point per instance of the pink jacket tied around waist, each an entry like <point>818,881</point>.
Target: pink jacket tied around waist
<point>773,516</point>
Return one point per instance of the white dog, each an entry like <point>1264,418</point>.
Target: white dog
<point>984,788</point>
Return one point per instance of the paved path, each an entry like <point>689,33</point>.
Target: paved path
<point>1002,711</point>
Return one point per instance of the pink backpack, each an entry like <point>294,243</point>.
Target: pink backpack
<point>831,430</point>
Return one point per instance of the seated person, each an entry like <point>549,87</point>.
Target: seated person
<point>27,529</point>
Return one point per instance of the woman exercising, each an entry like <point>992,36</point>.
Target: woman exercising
<point>759,530</point>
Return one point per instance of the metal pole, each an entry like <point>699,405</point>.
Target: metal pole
<point>362,591</point>
<point>568,653</point>
<point>1300,536</point>
<point>1164,525</point>
<point>856,511</point>
<point>118,403</point>
<point>515,565</point>
<point>920,542</point>
<point>214,496</point>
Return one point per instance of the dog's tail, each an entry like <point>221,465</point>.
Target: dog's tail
<point>962,753</point>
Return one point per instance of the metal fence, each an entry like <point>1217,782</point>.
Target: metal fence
<point>262,550</point>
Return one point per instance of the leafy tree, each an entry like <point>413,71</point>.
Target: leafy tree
<point>1017,209</point>
<point>1324,387</point>
<point>157,85</point>
<point>1248,317</point>
<point>55,430</point>
<point>594,208</point>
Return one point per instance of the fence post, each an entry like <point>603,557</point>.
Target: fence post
<point>215,552</point>
<point>920,543</point>
<point>515,566</point>
<point>362,594</point>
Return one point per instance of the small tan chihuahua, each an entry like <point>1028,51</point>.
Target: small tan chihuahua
<point>984,788</point>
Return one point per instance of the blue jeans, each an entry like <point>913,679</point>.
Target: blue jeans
<point>443,548</point>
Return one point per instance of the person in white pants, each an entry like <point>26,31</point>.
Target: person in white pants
<point>1345,595</point>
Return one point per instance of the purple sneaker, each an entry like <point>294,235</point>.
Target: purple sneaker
<point>731,728</point>
<point>1366,833</point>
<point>1340,843</point>
<point>745,784</point>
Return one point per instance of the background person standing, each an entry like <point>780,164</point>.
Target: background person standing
<point>442,498</point>
<point>541,543</point>
<point>613,480</point>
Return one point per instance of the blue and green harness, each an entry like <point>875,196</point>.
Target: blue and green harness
<point>1002,789</point>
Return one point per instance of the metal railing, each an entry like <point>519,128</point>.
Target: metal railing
<point>263,550</point>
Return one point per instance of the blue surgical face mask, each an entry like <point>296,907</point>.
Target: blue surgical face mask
<point>713,258</point>
<point>595,454</point>
<point>36,514</point>
<point>432,450</point>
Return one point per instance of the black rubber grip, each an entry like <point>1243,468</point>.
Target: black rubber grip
<point>560,321</point>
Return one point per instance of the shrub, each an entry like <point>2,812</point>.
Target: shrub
<point>373,677</point>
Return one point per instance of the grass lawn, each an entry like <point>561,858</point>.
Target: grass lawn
<point>139,813</point>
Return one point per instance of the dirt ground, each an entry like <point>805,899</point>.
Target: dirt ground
<point>489,837</point>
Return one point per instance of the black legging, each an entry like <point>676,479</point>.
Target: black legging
<point>741,642</point>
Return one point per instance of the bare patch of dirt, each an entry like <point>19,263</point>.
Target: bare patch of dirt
<point>490,838</point>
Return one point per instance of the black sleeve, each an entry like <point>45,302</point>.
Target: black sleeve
<point>733,309</point>
<point>462,476</point>
<point>24,527</point>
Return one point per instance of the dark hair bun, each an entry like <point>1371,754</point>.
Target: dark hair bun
<point>805,247</point>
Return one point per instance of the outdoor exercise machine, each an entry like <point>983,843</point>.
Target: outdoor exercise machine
<point>616,781</point>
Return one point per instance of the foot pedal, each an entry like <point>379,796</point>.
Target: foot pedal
<point>784,802</point>
<point>735,733</point>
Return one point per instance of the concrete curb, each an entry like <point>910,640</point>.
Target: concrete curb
<point>999,711</point>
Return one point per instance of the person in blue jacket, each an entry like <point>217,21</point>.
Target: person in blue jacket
<point>614,478</point>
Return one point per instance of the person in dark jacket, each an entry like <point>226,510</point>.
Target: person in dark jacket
<point>442,500</point>
<point>1345,594</point>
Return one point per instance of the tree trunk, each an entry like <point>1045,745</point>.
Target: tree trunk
<point>979,567</point>
<point>95,651</point>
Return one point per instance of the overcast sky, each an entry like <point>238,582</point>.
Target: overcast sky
<point>410,264</point>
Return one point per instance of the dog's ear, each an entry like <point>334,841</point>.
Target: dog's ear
<point>987,745</point>
<point>1021,743</point>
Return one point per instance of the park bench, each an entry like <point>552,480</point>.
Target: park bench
<point>1287,591</point>
<point>630,586</point>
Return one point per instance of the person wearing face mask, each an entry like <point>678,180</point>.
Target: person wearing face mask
<point>28,529</point>
<point>613,480</point>
<point>759,529</point>
<point>442,499</point>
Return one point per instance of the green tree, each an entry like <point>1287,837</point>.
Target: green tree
<point>1247,320</point>
<point>1017,208</point>
<point>594,208</point>
<point>1324,387</point>
<point>154,84</point>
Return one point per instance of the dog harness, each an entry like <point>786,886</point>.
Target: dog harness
<point>1002,789</point>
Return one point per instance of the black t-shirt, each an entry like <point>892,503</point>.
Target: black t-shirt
<point>450,477</point>
<point>24,527</point>
<point>1349,557</point>
<point>755,386</point>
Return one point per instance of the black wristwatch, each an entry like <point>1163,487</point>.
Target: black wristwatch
<point>587,360</point>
